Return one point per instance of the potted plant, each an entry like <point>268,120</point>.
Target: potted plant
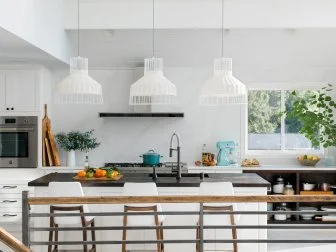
<point>75,140</point>
<point>315,113</point>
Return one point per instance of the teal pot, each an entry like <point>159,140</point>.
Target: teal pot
<point>151,158</point>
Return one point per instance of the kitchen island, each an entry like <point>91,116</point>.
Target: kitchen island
<point>244,184</point>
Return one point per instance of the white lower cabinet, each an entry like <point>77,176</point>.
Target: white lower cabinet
<point>11,208</point>
<point>169,221</point>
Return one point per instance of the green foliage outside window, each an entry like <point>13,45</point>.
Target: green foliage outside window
<point>264,111</point>
<point>315,113</point>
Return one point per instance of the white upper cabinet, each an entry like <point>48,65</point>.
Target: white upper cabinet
<point>21,91</point>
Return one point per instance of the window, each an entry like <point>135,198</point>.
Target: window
<point>268,129</point>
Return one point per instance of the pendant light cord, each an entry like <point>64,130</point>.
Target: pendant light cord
<point>153,31</point>
<point>78,27</point>
<point>222,28</point>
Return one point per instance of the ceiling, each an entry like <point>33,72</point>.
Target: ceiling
<point>197,48</point>
<point>14,50</point>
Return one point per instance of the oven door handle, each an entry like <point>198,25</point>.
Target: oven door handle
<point>16,129</point>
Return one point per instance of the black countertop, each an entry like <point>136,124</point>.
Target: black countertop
<point>238,180</point>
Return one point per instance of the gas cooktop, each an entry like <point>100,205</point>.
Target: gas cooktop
<point>164,165</point>
<point>141,167</point>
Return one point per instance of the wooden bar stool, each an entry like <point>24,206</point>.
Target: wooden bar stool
<point>143,189</point>
<point>69,189</point>
<point>218,189</point>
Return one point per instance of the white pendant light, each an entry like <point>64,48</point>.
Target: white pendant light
<point>78,87</point>
<point>153,88</point>
<point>223,88</point>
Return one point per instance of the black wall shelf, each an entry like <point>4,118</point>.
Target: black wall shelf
<point>108,115</point>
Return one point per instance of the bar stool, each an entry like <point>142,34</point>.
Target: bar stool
<point>69,189</point>
<point>143,189</point>
<point>218,189</point>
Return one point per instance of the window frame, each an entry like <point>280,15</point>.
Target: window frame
<point>279,87</point>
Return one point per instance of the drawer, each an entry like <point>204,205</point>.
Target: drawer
<point>10,203</point>
<point>12,188</point>
<point>9,217</point>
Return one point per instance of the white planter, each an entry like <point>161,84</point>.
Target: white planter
<point>71,159</point>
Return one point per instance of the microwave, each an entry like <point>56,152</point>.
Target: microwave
<point>18,142</point>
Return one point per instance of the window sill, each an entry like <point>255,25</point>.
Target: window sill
<point>282,154</point>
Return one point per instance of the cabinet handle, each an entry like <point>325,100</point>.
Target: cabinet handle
<point>9,215</point>
<point>12,108</point>
<point>7,108</point>
<point>9,187</point>
<point>9,201</point>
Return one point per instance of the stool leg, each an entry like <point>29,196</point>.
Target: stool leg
<point>158,228</point>
<point>56,238</point>
<point>161,237</point>
<point>123,246</point>
<point>51,234</point>
<point>234,231</point>
<point>197,237</point>
<point>85,239</point>
<point>93,235</point>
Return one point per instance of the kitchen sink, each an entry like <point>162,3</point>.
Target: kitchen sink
<point>184,175</point>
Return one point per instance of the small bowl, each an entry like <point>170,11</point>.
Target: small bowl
<point>308,162</point>
<point>306,216</point>
<point>308,186</point>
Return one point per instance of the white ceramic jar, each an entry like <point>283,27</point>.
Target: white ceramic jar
<point>280,216</point>
<point>279,186</point>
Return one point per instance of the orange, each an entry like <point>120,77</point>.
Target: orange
<point>81,174</point>
<point>97,173</point>
<point>115,174</point>
<point>102,173</point>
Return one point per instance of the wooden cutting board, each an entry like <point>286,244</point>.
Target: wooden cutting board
<point>45,126</point>
<point>47,150</point>
<point>50,155</point>
<point>99,179</point>
<point>53,148</point>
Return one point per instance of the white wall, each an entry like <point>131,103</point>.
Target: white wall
<point>124,139</point>
<point>39,22</point>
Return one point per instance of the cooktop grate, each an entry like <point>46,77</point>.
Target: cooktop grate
<point>127,164</point>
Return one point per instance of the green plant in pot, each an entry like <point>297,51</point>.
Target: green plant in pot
<point>315,112</point>
<point>74,141</point>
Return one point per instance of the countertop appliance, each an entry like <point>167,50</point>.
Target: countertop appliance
<point>18,142</point>
<point>226,153</point>
<point>167,167</point>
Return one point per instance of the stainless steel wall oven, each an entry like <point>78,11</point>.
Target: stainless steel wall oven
<point>18,142</point>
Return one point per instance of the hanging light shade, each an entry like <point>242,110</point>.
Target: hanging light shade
<point>78,87</point>
<point>223,88</point>
<point>153,88</point>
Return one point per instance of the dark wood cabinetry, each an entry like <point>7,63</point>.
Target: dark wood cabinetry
<point>296,178</point>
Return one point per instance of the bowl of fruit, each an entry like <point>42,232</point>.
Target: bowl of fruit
<point>308,160</point>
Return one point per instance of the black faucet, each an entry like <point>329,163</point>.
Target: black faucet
<point>178,150</point>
